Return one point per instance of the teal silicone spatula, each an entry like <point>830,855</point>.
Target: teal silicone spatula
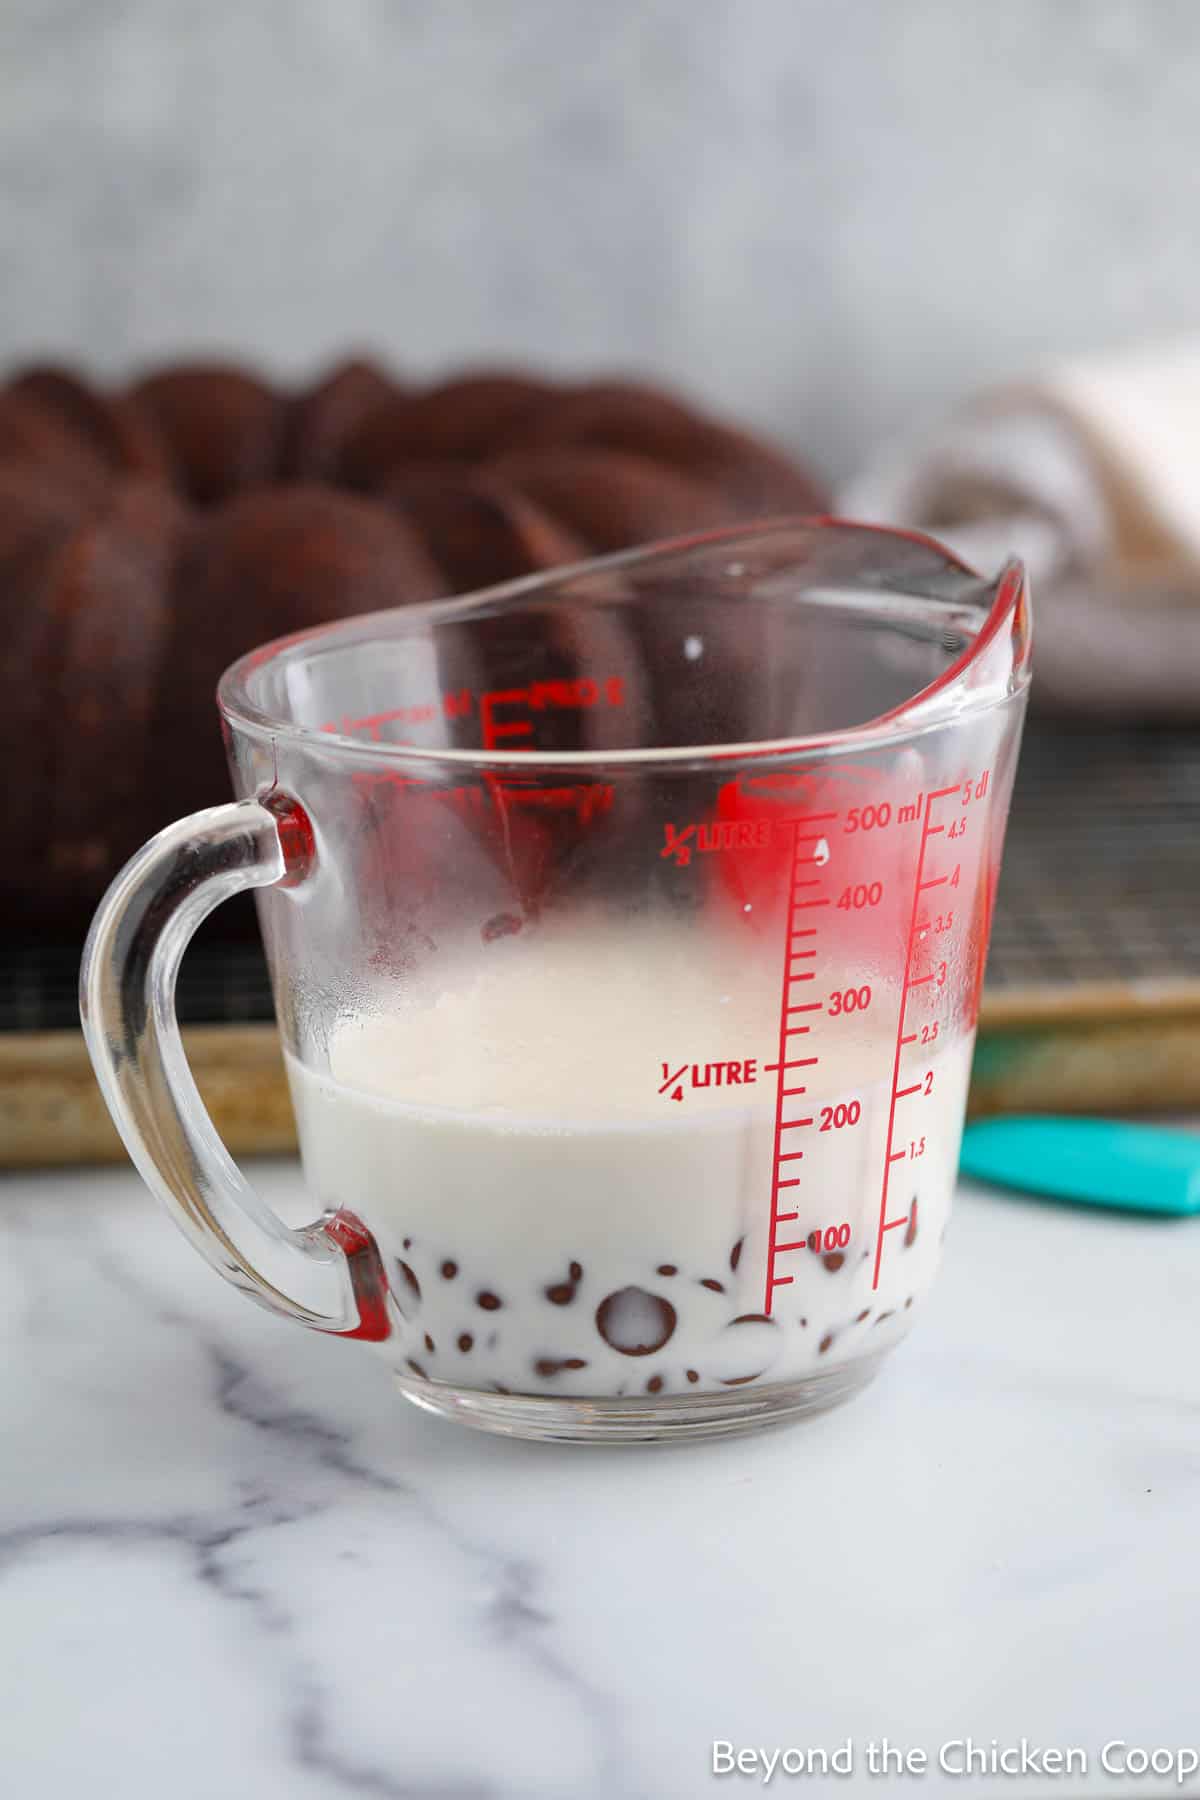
<point>1096,1162</point>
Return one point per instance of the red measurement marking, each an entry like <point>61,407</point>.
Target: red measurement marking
<point>556,695</point>
<point>910,1039</point>
<point>371,723</point>
<point>787,1012</point>
<point>737,1071</point>
<point>493,729</point>
<point>892,1223</point>
<point>920,886</point>
<point>420,712</point>
<point>786,1218</point>
<point>914,1089</point>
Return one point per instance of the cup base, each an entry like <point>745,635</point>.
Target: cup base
<point>671,1420</point>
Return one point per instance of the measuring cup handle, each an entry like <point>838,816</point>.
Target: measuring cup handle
<point>327,1274</point>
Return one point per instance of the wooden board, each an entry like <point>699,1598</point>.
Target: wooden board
<point>51,1111</point>
<point>1117,1049</point>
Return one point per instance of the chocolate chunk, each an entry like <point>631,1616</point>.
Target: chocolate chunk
<point>693,1375</point>
<point>864,1314</point>
<point>553,1365</point>
<point>634,1322</point>
<point>500,925</point>
<point>716,1287</point>
<point>563,1292</point>
<point>910,1236</point>
<point>889,1314</point>
<point>745,1349</point>
<point>449,1269</point>
<point>654,1385</point>
<point>490,1302</point>
<point>465,1341</point>
<point>833,1261</point>
<point>417,1369</point>
<point>825,1342</point>
<point>410,1280</point>
<point>408,1243</point>
<point>499,1388</point>
<point>804,1324</point>
<point>429,1344</point>
<point>667,1269</point>
<point>908,1303</point>
<point>735,1255</point>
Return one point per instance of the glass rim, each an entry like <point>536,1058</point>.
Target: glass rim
<point>912,718</point>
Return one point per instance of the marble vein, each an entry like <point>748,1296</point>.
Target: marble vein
<point>248,1568</point>
<point>512,1613</point>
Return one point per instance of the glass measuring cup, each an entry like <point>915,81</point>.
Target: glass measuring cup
<point>627,927</point>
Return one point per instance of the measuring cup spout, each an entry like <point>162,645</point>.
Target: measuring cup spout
<point>996,664</point>
<point>1004,647</point>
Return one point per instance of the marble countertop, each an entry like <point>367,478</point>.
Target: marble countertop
<point>234,1563</point>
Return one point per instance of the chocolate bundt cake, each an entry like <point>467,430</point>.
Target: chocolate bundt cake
<point>150,535</point>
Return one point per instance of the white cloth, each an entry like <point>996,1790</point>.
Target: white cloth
<point>1091,473</point>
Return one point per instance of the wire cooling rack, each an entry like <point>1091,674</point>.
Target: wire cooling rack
<point>1102,862</point>
<point>1101,885</point>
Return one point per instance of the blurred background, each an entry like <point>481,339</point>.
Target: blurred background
<point>827,221</point>
<point>887,236</point>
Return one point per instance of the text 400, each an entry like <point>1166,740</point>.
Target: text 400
<point>863,893</point>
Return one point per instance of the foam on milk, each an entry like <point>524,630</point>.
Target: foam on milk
<point>555,1222</point>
